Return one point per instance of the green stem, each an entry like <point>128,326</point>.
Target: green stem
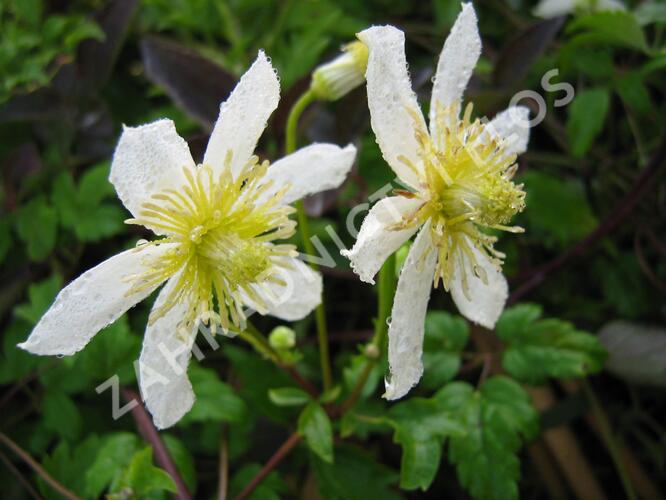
<point>386,290</point>
<point>304,228</point>
<point>254,337</point>
<point>608,437</point>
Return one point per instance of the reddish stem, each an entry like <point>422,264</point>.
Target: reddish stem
<point>149,432</point>
<point>272,463</point>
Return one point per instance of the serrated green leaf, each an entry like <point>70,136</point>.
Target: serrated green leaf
<point>40,297</point>
<point>288,396</point>
<point>36,224</point>
<point>355,475</point>
<point>315,427</point>
<point>421,426</point>
<point>541,348</point>
<point>617,28</point>
<point>495,419</point>
<point>215,400</point>
<point>142,477</point>
<point>558,212</point>
<point>445,337</point>
<point>61,415</point>
<point>113,456</point>
<point>587,115</point>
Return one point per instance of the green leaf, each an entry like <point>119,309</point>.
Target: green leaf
<point>421,426</point>
<point>331,395</point>
<point>315,427</point>
<point>496,419</point>
<point>142,477</point>
<point>541,348</point>
<point>617,28</point>
<point>113,456</point>
<point>288,396</point>
<point>40,297</point>
<point>558,214</point>
<point>36,224</point>
<point>587,115</point>
<point>355,475</point>
<point>69,465</point>
<point>445,337</point>
<point>634,93</point>
<point>215,400</point>
<point>60,414</point>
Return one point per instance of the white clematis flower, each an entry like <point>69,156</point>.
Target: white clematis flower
<point>459,177</point>
<point>218,224</point>
<point>554,8</point>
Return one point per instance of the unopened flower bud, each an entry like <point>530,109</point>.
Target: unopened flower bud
<point>371,351</point>
<point>282,337</point>
<point>343,74</point>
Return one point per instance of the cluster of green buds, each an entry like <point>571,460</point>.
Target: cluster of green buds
<point>335,79</point>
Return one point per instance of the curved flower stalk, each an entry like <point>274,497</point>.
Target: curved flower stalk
<point>458,176</point>
<point>218,227</point>
<point>554,8</point>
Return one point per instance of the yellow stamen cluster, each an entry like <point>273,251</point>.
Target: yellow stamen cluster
<point>467,187</point>
<point>223,228</point>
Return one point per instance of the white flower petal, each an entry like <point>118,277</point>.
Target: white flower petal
<point>309,170</point>
<point>408,316</point>
<point>394,111</point>
<point>513,126</point>
<point>300,294</point>
<point>165,386</point>
<point>376,241</point>
<point>487,301</point>
<point>92,301</point>
<point>554,8</point>
<point>456,62</point>
<point>243,116</point>
<point>148,159</point>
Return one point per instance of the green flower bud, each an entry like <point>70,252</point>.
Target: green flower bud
<point>282,338</point>
<point>343,74</point>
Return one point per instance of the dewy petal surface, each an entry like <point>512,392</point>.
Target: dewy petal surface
<point>243,117</point>
<point>394,110</point>
<point>456,62</point>
<point>148,159</point>
<point>309,170</point>
<point>300,294</point>
<point>408,316</point>
<point>377,240</point>
<point>512,125</point>
<point>487,300</point>
<point>163,362</point>
<point>92,301</point>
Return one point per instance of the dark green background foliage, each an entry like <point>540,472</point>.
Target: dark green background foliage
<point>71,73</point>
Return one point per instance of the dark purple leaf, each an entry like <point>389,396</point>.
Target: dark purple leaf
<point>521,53</point>
<point>195,83</point>
<point>96,58</point>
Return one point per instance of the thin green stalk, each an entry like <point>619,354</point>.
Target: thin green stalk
<point>611,443</point>
<point>386,290</point>
<point>304,228</point>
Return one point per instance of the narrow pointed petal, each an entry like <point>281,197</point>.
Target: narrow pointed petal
<point>553,8</point>
<point>408,316</point>
<point>300,294</point>
<point>456,63</point>
<point>512,125</point>
<point>309,170</point>
<point>92,301</point>
<point>394,111</point>
<point>243,116</point>
<point>165,386</point>
<point>376,240</point>
<point>487,301</point>
<point>147,160</point>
